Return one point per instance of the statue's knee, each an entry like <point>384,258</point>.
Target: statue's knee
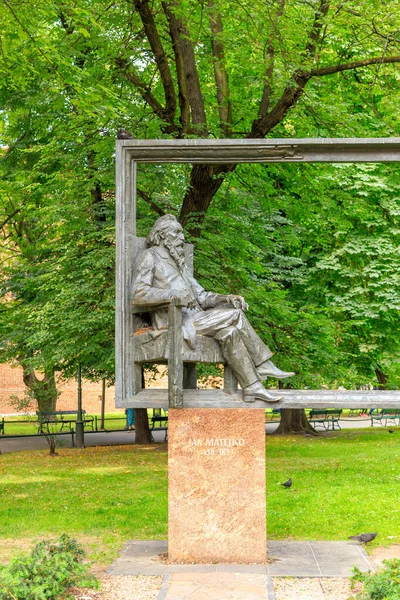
<point>228,333</point>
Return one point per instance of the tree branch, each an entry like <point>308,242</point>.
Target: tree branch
<point>33,40</point>
<point>314,37</point>
<point>220,72</point>
<point>68,27</point>
<point>193,88</point>
<point>161,112</point>
<point>29,376</point>
<point>147,198</point>
<point>270,60</point>
<point>378,60</point>
<point>4,223</point>
<point>295,88</point>
<point>142,6</point>
<point>184,105</point>
<point>289,98</point>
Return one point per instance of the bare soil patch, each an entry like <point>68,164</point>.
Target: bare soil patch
<point>138,587</point>
<point>380,553</point>
<point>10,548</point>
<point>332,588</point>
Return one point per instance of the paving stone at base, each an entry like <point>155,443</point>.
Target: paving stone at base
<point>334,558</point>
<point>290,559</point>
<point>293,559</point>
<point>316,559</point>
<point>144,550</point>
<point>143,558</point>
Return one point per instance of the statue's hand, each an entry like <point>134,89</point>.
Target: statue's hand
<point>184,299</point>
<point>237,301</point>
<point>192,304</point>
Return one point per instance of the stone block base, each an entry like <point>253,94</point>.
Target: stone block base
<point>216,486</point>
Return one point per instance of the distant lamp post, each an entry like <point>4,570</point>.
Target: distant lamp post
<point>80,438</point>
<point>103,403</point>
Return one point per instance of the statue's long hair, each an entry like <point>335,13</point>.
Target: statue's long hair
<point>159,229</point>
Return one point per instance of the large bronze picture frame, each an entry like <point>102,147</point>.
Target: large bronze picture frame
<point>129,154</point>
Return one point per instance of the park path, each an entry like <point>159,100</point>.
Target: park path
<point>218,586</point>
<point>118,438</point>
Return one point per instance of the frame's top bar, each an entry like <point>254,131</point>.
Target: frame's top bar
<point>262,150</point>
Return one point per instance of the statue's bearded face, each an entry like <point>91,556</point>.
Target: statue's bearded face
<point>173,242</point>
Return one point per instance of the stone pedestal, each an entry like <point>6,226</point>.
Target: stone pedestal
<point>216,485</point>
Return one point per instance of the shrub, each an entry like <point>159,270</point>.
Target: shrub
<point>382,585</point>
<point>46,573</point>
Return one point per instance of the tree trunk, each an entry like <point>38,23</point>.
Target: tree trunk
<point>205,181</point>
<point>44,391</point>
<point>51,438</point>
<point>142,429</point>
<point>382,379</point>
<point>52,446</point>
<point>294,420</point>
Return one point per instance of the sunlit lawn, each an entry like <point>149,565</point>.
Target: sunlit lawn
<point>344,484</point>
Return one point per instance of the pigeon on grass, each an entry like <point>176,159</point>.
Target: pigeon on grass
<point>287,483</point>
<point>364,538</point>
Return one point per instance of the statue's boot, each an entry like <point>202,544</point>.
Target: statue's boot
<point>268,369</point>
<point>256,391</point>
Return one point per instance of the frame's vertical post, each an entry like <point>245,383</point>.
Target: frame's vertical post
<point>133,167</point>
<point>138,375</point>
<point>125,235</point>
<point>175,359</point>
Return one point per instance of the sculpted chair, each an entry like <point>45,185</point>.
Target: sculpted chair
<point>169,347</point>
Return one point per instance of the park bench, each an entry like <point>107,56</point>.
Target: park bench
<point>64,418</point>
<point>384,415</point>
<point>327,418</point>
<point>273,414</point>
<point>160,418</point>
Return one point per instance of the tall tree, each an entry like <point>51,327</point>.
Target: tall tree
<point>74,72</point>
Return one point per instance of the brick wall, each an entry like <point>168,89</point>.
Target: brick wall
<point>11,384</point>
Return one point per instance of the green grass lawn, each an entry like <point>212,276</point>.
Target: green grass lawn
<point>343,484</point>
<point>14,426</point>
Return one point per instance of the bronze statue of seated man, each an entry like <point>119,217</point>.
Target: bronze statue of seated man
<point>162,276</point>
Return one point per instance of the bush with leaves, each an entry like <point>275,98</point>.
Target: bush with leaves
<point>382,585</point>
<point>47,572</point>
